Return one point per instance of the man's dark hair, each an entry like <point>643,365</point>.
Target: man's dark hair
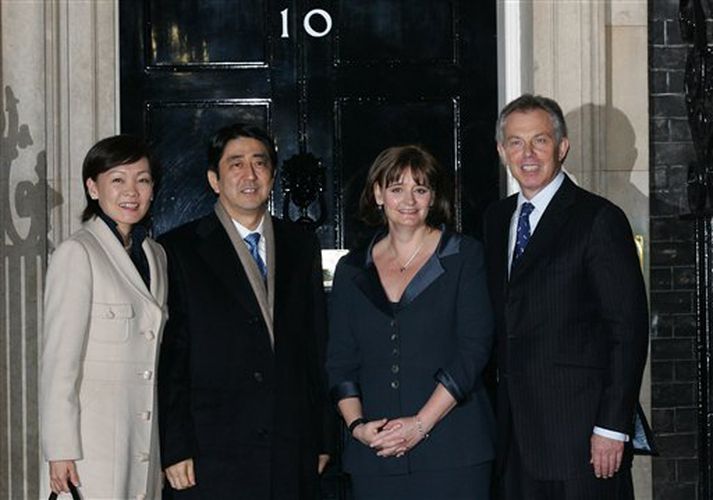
<point>222,137</point>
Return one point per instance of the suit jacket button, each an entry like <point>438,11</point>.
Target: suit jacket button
<point>258,377</point>
<point>394,337</point>
<point>395,353</point>
<point>394,384</point>
<point>393,323</point>
<point>394,368</point>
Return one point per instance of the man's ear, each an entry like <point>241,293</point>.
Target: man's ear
<point>563,149</point>
<point>501,154</point>
<point>213,181</point>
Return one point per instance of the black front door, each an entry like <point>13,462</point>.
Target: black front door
<point>339,80</point>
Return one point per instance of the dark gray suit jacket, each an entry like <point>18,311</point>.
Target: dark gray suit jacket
<point>572,330</point>
<point>392,357</point>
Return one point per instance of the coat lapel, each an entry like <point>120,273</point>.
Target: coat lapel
<point>547,230</point>
<point>249,269</point>
<point>120,257</point>
<point>219,255</point>
<point>156,270</point>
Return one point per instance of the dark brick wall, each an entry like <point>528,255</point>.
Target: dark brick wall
<point>672,279</point>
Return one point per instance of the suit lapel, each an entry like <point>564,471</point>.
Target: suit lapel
<point>120,257</point>
<point>501,238</point>
<point>547,230</point>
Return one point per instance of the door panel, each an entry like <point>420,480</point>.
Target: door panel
<point>389,72</point>
<point>367,126</point>
<point>184,193</point>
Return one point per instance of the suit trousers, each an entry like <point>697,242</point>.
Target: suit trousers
<point>517,484</point>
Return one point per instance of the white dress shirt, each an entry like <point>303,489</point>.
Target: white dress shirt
<point>261,246</point>
<point>540,201</point>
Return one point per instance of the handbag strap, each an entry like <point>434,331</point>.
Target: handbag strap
<point>72,490</point>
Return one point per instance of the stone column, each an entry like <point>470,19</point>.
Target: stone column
<point>592,58</point>
<point>58,95</point>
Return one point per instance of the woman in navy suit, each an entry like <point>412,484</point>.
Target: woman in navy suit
<point>411,332</point>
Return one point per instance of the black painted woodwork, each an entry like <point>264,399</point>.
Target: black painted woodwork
<point>389,72</point>
<point>699,105</point>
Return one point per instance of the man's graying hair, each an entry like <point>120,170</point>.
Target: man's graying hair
<point>529,102</point>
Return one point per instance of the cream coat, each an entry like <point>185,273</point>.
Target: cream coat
<point>97,384</point>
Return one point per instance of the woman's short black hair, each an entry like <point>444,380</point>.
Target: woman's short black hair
<point>108,153</point>
<point>222,137</point>
<point>389,166</point>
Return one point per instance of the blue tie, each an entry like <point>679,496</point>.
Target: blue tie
<point>252,240</point>
<point>523,231</point>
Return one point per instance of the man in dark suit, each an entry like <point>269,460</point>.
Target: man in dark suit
<point>241,382</point>
<point>571,321</point>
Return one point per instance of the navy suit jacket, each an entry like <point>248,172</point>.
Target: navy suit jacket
<point>393,356</point>
<point>572,330</point>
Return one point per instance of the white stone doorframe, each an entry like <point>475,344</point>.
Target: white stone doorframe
<point>592,58</point>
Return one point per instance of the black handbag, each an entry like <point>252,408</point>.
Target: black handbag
<point>72,490</point>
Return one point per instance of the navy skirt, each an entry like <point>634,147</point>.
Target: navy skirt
<point>466,483</point>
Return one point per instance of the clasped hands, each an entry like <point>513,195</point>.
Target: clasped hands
<point>391,438</point>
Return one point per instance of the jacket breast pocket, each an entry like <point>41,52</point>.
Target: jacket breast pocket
<point>110,322</point>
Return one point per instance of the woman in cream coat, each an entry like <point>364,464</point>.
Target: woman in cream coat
<point>104,313</point>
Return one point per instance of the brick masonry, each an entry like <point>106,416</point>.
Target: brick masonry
<point>672,278</point>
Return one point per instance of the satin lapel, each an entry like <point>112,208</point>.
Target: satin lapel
<point>548,229</point>
<point>218,253</point>
<point>432,269</point>
<point>118,256</point>
<point>368,282</point>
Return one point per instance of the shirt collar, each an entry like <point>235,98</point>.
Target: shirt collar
<point>544,197</point>
<point>244,231</point>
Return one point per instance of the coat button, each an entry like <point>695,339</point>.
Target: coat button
<point>395,353</point>
<point>145,415</point>
<point>258,377</point>
<point>394,337</point>
<point>146,374</point>
<point>393,323</point>
<point>394,384</point>
<point>394,368</point>
<point>149,334</point>
<point>143,457</point>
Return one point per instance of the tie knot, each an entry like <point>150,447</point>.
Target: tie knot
<point>526,209</point>
<point>252,240</point>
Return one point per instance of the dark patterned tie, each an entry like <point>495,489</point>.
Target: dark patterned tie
<point>253,240</point>
<point>523,232</point>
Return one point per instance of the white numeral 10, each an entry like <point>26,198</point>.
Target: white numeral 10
<point>307,23</point>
